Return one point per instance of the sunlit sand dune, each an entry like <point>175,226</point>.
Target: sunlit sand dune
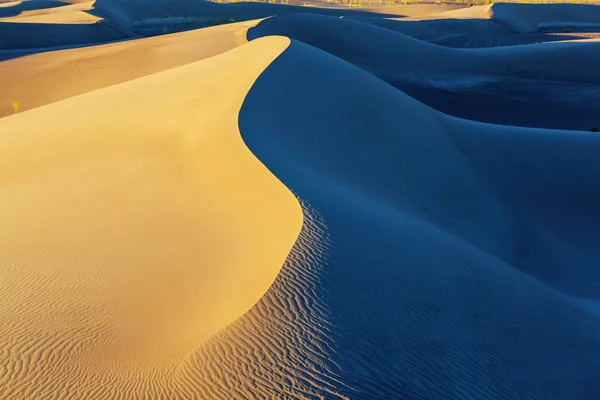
<point>196,216</point>
<point>135,208</point>
<point>39,79</point>
<point>42,24</point>
<point>42,12</point>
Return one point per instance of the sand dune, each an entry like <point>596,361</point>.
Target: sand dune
<point>391,55</point>
<point>51,13</point>
<point>444,235</point>
<point>70,23</point>
<point>34,35</point>
<point>529,18</point>
<point>196,216</point>
<point>181,188</point>
<point>501,24</point>
<point>43,24</point>
<point>557,81</point>
<point>39,79</point>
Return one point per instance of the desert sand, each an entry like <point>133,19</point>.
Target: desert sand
<point>269,201</point>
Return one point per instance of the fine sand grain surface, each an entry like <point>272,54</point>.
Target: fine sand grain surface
<point>119,226</point>
<point>43,78</point>
<point>286,205</point>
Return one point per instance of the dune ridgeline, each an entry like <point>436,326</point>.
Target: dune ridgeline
<point>261,201</point>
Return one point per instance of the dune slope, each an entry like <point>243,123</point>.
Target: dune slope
<point>279,221</point>
<point>551,85</point>
<point>441,273</point>
<point>38,79</point>
<point>422,270</point>
<point>391,55</point>
<point>136,224</point>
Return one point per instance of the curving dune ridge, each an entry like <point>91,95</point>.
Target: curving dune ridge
<point>118,227</point>
<point>195,216</point>
<point>449,252</point>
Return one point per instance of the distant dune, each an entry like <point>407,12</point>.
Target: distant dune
<point>262,201</point>
<point>46,77</point>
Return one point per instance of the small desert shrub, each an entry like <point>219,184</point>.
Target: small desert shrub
<point>594,130</point>
<point>567,30</point>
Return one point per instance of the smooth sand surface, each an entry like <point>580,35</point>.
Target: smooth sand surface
<point>42,78</point>
<point>196,216</point>
<point>450,245</point>
<point>46,24</point>
<point>558,81</point>
<point>60,14</point>
<point>501,24</point>
<point>392,55</point>
<point>136,226</point>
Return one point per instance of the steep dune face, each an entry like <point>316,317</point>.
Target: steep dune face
<point>417,283</point>
<point>136,224</point>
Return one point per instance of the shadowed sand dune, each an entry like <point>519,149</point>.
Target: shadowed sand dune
<point>192,216</point>
<point>17,35</point>
<point>128,11</point>
<point>72,14</point>
<point>531,18</point>
<point>43,24</point>
<point>51,24</point>
<point>40,24</point>
<point>452,243</point>
<point>557,83</point>
<point>15,8</point>
<point>501,24</point>
<point>392,55</point>
<point>38,79</point>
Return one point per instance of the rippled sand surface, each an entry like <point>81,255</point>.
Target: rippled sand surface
<point>260,201</point>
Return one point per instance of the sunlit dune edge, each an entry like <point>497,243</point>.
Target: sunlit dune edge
<point>136,224</point>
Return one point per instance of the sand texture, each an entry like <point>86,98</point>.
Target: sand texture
<point>286,202</point>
